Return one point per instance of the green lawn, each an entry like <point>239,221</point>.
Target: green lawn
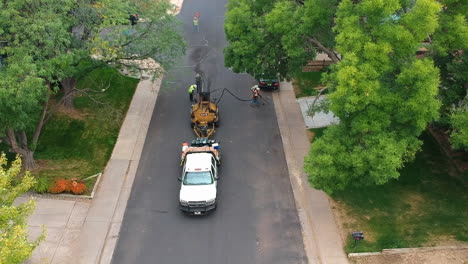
<point>79,144</point>
<point>314,133</point>
<point>305,82</point>
<point>424,207</point>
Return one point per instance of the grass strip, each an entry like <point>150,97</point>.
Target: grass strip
<point>305,83</point>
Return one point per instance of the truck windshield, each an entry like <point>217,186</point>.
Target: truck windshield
<point>198,178</point>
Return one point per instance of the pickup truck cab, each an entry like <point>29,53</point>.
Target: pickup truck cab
<point>199,180</point>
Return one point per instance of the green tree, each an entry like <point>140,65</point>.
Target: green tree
<point>459,121</point>
<point>48,44</point>
<point>449,48</point>
<point>35,37</point>
<point>21,94</point>
<point>14,244</point>
<point>102,30</point>
<point>278,36</point>
<point>383,95</point>
<point>452,33</point>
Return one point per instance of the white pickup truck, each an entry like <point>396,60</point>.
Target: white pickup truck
<point>199,178</point>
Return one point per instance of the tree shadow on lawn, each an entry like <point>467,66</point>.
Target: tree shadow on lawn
<point>424,207</point>
<point>79,145</point>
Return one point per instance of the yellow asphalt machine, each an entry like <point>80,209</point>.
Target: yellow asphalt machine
<point>204,113</point>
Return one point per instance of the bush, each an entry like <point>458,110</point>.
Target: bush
<point>60,186</point>
<point>42,185</point>
<point>77,187</point>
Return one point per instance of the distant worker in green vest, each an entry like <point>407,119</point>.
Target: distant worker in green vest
<point>195,24</point>
<point>190,91</point>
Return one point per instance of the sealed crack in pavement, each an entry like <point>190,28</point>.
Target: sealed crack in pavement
<point>160,211</point>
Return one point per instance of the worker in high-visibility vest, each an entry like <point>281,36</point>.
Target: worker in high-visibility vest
<point>190,91</point>
<point>195,24</point>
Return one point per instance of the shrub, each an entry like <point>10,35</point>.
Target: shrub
<point>60,185</point>
<point>42,185</point>
<point>77,187</point>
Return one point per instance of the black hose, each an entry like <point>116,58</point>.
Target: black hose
<point>233,95</point>
<point>215,90</point>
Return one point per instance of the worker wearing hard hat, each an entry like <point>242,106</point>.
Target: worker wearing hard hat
<point>190,91</point>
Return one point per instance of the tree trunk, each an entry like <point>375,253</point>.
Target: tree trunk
<point>40,124</point>
<point>311,107</point>
<point>27,155</point>
<point>329,52</point>
<point>68,85</point>
<point>28,160</point>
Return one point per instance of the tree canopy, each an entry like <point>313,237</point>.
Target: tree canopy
<point>449,47</point>
<point>383,95</point>
<point>35,46</point>
<point>277,36</point>
<point>459,122</point>
<point>108,32</point>
<point>44,45</point>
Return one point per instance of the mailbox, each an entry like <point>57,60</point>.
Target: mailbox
<point>359,235</point>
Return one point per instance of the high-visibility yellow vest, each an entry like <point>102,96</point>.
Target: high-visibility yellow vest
<point>192,88</point>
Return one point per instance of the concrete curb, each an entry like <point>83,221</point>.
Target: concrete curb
<point>150,91</point>
<point>364,254</point>
<point>316,217</point>
<point>100,230</point>
<point>407,250</point>
<point>307,232</point>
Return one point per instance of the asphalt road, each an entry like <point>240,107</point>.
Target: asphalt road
<point>256,220</point>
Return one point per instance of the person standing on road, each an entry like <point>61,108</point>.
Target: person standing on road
<point>195,23</point>
<point>255,94</point>
<point>190,91</point>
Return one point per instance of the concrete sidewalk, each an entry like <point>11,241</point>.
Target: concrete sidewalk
<point>321,237</point>
<point>85,231</point>
<point>63,220</point>
<point>319,119</point>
